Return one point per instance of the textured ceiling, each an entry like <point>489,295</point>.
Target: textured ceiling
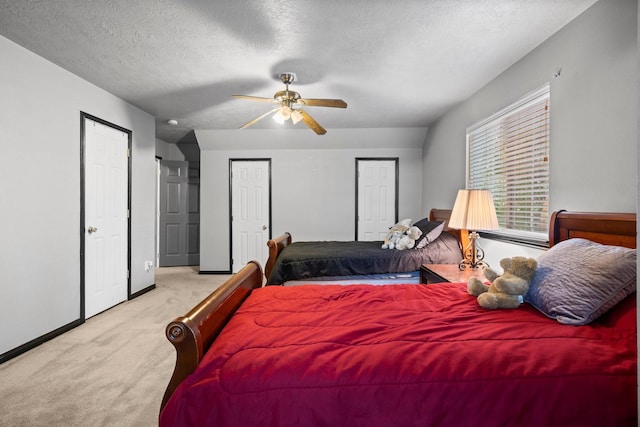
<point>399,63</point>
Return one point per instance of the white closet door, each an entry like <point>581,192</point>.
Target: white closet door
<point>106,219</point>
<point>376,198</point>
<point>250,215</point>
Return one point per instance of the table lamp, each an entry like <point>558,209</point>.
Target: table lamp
<point>473,210</point>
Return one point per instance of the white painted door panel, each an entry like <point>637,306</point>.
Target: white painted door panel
<point>249,212</point>
<point>376,198</point>
<point>106,172</point>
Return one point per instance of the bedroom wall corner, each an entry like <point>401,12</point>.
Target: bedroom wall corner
<point>40,256</point>
<point>593,113</point>
<point>313,180</point>
<point>178,151</point>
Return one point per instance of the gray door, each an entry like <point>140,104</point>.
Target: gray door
<point>179,230</point>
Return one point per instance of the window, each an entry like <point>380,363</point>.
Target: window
<point>508,153</point>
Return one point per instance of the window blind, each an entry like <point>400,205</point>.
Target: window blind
<point>508,153</point>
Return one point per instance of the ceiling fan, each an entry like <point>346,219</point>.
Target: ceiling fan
<point>289,106</point>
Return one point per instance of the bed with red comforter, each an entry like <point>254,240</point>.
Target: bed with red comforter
<point>402,355</point>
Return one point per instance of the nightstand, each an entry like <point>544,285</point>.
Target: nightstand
<point>437,273</point>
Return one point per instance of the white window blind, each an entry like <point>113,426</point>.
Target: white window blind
<point>508,153</point>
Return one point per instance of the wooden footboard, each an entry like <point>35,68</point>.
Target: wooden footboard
<point>193,333</point>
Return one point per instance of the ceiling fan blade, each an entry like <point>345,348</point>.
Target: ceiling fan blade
<point>257,119</point>
<point>255,98</point>
<point>309,121</point>
<point>336,103</point>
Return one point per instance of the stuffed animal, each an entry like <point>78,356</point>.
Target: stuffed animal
<point>506,290</point>
<point>392,240</point>
<point>408,240</point>
<point>395,234</point>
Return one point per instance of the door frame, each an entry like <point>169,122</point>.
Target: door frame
<point>397,189</point>
<point>157,220</point>
<point>129,133</point>
<point>231,160</point>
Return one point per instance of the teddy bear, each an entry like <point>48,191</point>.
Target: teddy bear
<point>506,290</point>
<point>395,233</point>
<point>408,240</point>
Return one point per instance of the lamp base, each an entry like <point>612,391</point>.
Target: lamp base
<point>472,254</point>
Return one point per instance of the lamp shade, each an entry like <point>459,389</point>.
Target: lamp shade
<point>474,210</point>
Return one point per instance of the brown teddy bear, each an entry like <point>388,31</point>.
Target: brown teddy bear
<point>506,290</point>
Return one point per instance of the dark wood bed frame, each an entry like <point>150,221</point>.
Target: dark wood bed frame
<point>276,245</point>
<point>193,333</point>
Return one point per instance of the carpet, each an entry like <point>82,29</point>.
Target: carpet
<point>110,371</point>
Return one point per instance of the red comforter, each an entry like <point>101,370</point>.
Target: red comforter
<point>405,355</point>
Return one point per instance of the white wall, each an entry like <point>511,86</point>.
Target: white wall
<point>40,107</point>
<point>594,107</point>
<point>180,152</point>
<point>313,181</point>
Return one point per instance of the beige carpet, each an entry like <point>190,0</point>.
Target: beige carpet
<point>110,371</point>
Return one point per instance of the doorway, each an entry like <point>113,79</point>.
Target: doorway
<point>250,204</point>
<point>105,220</point>
<point>376,197</point>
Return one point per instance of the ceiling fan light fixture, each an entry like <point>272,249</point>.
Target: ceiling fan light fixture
<point>289,105</point>
<point>278,117</point>
<point>296,116</point>
<point>283,114</point>
<point>286,112</point>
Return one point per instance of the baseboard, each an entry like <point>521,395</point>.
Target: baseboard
<point>214,272</point>
<point>40,340</point>
<point>142,291</point>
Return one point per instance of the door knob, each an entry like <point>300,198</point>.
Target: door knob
<point>92,230</point>
<point>264,227</point>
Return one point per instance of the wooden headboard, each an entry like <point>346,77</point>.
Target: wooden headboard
<point>618,229</point>
<point>444,215</point>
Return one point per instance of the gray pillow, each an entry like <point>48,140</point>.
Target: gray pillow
<point>431,230</point>
<point>578,280</point>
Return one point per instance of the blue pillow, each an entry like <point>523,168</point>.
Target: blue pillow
<point>578,280</point>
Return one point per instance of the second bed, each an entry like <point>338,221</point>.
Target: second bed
<point>361,261</point>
